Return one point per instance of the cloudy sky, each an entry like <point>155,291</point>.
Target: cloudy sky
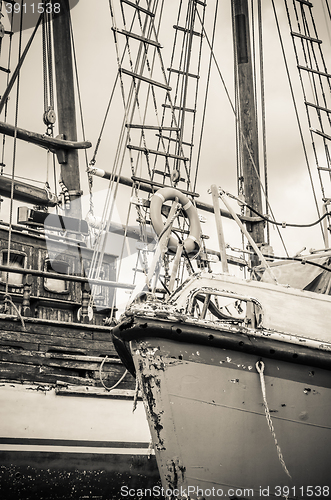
<point>289,188</point>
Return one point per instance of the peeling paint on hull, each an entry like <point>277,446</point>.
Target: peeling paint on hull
<point>207,419</point>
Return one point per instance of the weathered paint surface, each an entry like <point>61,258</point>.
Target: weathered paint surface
<point>151,367</point>
<point>206,413</point>
<point>204,397</point>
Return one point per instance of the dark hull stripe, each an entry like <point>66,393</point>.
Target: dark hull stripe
<point>71,442</point>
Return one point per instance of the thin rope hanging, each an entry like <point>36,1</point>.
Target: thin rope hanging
<point>242,135</point>
<point>49,117</point>
<point>206,95</point>
<point>263,113</point>
<point>7,82</point>
<point>295,105</point>
<point>14,149</point>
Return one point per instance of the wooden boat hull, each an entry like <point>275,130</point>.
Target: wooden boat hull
<point>206,414</point>
<point>62,442</point>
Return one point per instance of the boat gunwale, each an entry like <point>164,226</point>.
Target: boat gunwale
<point>265,343</point>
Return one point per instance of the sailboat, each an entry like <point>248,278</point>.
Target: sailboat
<point>66,422</point>
<point>234,368</point>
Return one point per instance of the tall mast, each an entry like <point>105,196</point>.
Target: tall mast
<point>247,116</point>
<point>66,103</point>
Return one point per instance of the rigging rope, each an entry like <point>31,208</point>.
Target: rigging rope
<point>2,164</point>
<point>206,96</point>
<point>283,224</point>
<point>7,299</point>
<point>101,240</point>
<point>263,112</point>
<point>242,135</point>
<point>303,261</point>
<point>316,78</point>
<point>260,369</point>
<point>182,74</point>
<point>14,149</point>
<point>49,114</point>
<point>133,94</point>
<point>196,92</point>
<point>295,105</point>
<point>89,176</point>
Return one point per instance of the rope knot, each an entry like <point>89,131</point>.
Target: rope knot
<point>260,366</point>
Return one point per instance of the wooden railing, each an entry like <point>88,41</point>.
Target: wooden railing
<point>85,284</point>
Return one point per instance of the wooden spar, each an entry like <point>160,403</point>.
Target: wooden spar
<point>66,103</point>
<point>207,207</point>
<point>66,277</point>
<point>44,141</point>
<point>27,193</point>
<point>247,117</point>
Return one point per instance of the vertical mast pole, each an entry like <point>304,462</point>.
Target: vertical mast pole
<point>247,116</point>
<point>66,103</point>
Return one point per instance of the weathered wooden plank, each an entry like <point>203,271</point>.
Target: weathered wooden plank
<point>58,324</point>
<point>45,342</point>
<point>31,346</point>
<point>37,367</point>
<point>90,349</point>
<point>114,359</point>
<point>37,373</point>
<point>46,329</point>
<point>98,392</point>
<point>106,336</point>
<point>31,373</point>
<point>54,360</point>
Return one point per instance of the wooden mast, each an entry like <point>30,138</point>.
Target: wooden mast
<point>66,103</point>
<point>247,117</point>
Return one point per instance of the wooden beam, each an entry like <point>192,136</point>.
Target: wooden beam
<point>247,118</point>
<point>67,277</point>
<point>44,141</point>
<point>66,103</point>
<point>147,188</point>
<point>27,193</point>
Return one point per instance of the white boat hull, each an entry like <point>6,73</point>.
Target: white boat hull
<point>51,439</point>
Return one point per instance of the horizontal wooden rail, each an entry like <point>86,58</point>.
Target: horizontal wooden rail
<point>66,277</point>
